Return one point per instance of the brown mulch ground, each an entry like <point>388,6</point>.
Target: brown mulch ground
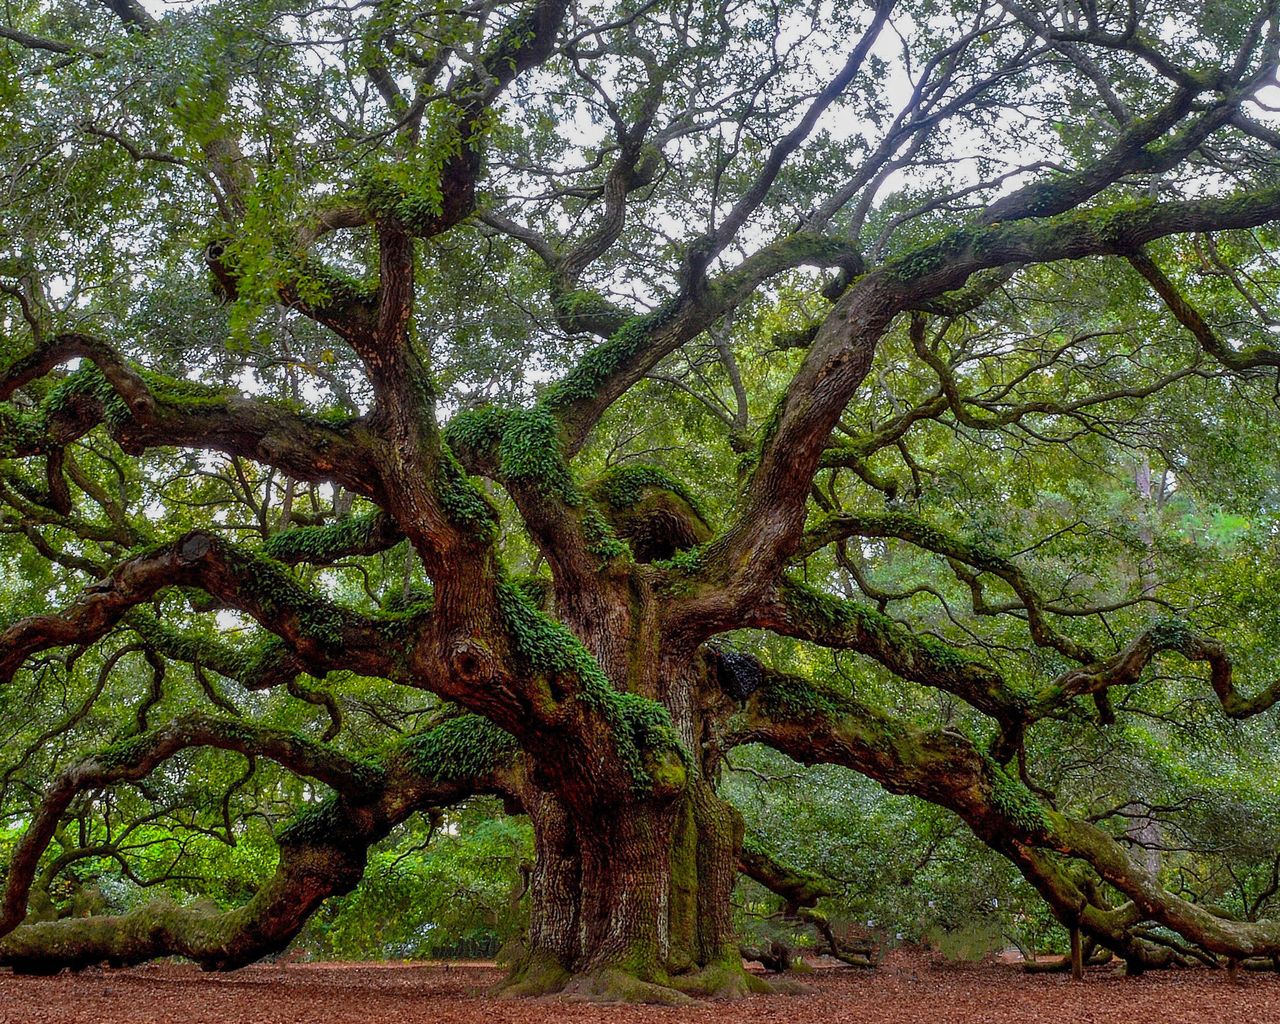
<point>907,989</point>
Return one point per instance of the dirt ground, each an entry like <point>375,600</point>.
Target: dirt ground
<point>907,989</point>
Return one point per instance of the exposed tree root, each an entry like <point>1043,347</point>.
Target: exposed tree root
<point>541,974</point>
<point>732,981</point>
<point>534,974</point>
<point>612,985</point>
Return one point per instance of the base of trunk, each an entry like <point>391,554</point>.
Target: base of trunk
<point>540,974</point>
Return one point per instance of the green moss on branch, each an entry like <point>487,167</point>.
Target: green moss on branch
<point>641,729</point>
<point>604,361</point>
<point>319,545</point>
<point>464,502</point>
<point>623,487</point>
<point>465,747</point>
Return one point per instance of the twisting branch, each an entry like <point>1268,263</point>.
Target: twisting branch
<point>1190,318</point>
<point>1127,666</point>
<point>706,249</point>
<point>928,537</point>
<point>752,551</point>
<point>143,409</point>
<point>814,725</point>
<point>321,633</point>
<point>796,610</point>
<point>322,853</point>
<point>136,757</point>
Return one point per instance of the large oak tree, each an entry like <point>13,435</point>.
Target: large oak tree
<point>569,361</point>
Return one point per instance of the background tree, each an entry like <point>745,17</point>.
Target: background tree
<point>543,400</point>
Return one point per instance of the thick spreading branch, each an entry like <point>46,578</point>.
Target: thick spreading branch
<point>144,410</point>
<point>751,553</point>
<point>322,853</point>
<point>321,633</point>
<point>135,758</point>
<point>813,725</point>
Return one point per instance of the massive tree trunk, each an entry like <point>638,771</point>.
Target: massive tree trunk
<point>633,905</point>
<point>630,897</point>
